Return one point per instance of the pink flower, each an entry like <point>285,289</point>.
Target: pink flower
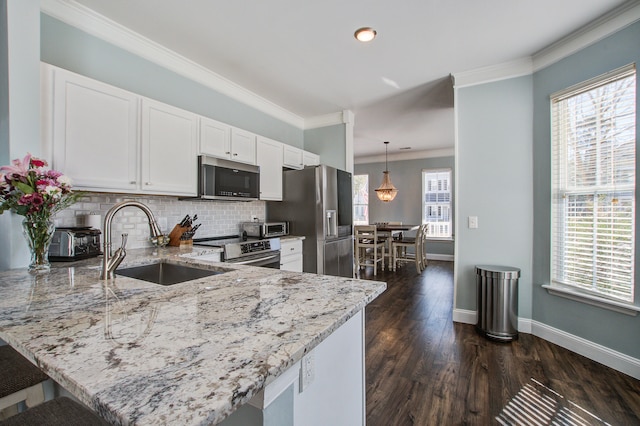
<point>19,168</point>
<point>53,174</point>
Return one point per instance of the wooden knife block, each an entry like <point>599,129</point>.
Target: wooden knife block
<point>176,233</point>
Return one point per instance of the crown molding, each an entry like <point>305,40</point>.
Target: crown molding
<point>325,120</point>
<point>91,22</point>
<point>614,21</point>
<point>492,73</point>
<point>406,155</point>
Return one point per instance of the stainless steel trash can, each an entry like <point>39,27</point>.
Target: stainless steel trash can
<point>497,297</point>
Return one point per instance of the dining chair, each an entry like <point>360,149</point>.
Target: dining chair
<point>20,381</point>
<point>369,247</point>
<point>388,236</point>
<point>400,253</point>
<point>60,411</point>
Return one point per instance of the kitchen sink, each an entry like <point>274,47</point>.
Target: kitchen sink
<point>164,273</point>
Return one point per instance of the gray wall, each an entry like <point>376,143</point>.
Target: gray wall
<point>329,143</point>
<point>405,175</point>
<point>70,48</point>
<point>20,110</point>
<point>495,184</point>
<point>613,330</point>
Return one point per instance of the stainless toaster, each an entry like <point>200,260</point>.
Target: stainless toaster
<point>74,244</point>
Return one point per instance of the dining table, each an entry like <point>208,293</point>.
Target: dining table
<point>388,230</point>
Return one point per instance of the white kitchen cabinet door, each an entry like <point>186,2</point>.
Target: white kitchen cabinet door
<point>215,138</point>
<point>243,146</point>
<point>310,159</point>
<point>269,157</point>
<point>94,132</point>
<point>293,157</point>
<point>291,255</point>
<point>169,161</point>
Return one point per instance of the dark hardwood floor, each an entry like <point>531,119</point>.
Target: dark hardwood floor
<point>424,369</point>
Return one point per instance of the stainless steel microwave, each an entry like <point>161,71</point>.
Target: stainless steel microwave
<point>220,179</point>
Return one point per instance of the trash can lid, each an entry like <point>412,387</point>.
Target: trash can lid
<point>495,271</point>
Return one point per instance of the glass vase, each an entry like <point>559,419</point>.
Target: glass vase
<point>38,232</point>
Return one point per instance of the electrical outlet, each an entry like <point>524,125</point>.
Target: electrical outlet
<point>307,371</point>
<point>473,222</point>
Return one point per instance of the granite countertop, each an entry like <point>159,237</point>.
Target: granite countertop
<point>190,353</point>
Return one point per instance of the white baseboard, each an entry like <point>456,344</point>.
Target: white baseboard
<point>465,316</point>
<point>606,356</point>
<point>435,256</point>
<point>616,360</point>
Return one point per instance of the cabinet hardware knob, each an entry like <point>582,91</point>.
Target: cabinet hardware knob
<point>147,183</point>
<point>228,152</point>
<point>133,182</point>
<point>235,154</point>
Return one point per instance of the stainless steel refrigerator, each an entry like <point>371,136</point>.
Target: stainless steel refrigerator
<point>317,203</point>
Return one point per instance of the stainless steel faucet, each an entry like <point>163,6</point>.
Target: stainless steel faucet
<point>110,262</point>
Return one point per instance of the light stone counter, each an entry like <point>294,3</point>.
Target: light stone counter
<point>190,353</point>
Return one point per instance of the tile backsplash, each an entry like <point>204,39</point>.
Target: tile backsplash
<point>217,217</point>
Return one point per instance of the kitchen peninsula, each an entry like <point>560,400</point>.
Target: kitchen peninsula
<point>195,352</point>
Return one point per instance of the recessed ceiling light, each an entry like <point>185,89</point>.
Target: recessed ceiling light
<point>365,34</point>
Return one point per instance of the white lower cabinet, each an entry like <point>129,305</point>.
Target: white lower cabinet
<point>269,159</point>
<point>291,255</point>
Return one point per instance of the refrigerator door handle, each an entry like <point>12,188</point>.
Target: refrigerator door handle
<point>332,224</point>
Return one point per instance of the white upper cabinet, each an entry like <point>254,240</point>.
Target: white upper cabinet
<point>224,141</point>
<point>169,160</point>
<point>269,156</point>
<point>310,159</point>
<point>94,131</point>
<point>243,146</point>
<point>293,157</point>
<point>108,139</point>
<point>215,138</point>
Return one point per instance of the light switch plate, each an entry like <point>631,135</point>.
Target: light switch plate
<point>473,222</point>
<point>307,371</point>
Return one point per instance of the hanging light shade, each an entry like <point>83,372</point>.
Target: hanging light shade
<point>386,192</point>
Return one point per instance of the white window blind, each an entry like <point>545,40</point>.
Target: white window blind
<point>436,206</point>
<point>361,199</point>
<point>593,185</point>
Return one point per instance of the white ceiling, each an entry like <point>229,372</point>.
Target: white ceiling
<point>301,54</point>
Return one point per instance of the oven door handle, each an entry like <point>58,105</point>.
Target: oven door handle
<point>261,259</point>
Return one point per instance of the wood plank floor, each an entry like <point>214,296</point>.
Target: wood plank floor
<point>424,369</point>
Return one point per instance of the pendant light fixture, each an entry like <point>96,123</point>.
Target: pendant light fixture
<point>386,192</point>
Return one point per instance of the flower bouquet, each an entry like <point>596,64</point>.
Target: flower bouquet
<point>30,189</point>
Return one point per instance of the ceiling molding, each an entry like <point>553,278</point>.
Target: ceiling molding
<point>406,155</point>
<point>492,73</point>
<point>87,20</point>
<point>602,27</point>
<point>324,120</point>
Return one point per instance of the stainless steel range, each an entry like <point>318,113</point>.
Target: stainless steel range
<point>254,252</point>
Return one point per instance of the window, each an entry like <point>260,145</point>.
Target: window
<point>593,186</point>
<point>436,206</point>
<point>361,199</point>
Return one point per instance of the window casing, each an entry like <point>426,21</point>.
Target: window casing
<point>436,204</point>
<point>593,186</point>
<point>361,199</point>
